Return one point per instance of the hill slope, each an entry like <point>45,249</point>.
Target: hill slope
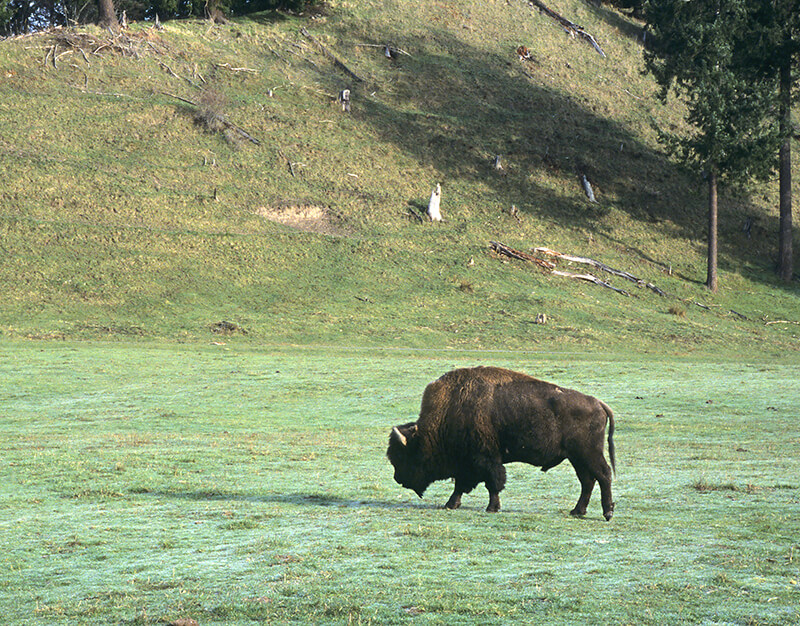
<point>136,204</point>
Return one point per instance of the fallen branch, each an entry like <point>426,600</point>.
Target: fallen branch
<point>169,69</point>
<point>122,42</point>
<point>174,75</point>
<point>601,266</point>
<point>228,66</point>
<point>590,278</point>
<point>549,266</point>
<point>223,120</point>
<point>781,322</point>
<point>50,51</point>
<point>522,256</point>
<point>289,163</point>
<point>415,215</point>
<point>571,28</point>
<point>330,55</point>
<point>278,55</point>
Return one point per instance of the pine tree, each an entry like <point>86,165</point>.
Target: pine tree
<point>697,52</point>
<point>774,46</point>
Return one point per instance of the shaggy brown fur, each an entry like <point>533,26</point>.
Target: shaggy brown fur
<point>473,421</point>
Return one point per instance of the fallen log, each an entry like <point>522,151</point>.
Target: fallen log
<point>510,252</point>
<point>522,256</point>
<point>781,322</point>
<point>571,28</point>
<point>601,266</point>
<point>591,279</point>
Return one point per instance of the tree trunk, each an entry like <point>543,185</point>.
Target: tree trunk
<point>786,264</point>
<point>107,14</point>
<point>711,280</point>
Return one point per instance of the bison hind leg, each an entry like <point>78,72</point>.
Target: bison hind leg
<point>587,485</point>
<point>590,470</point>
<point>494,484</point>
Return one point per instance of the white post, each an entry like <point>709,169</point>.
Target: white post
<point>433,204</point>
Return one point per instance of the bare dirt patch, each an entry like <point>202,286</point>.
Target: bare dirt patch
<point>310,218</point>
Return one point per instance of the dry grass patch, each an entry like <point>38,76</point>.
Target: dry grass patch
<point>310,218</point>
<point>704,486</point>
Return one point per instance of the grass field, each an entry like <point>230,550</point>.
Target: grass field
<point>141,484</point>
<point>149,221</point>
<point>153,468</point>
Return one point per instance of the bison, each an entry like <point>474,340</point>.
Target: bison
<point>475,420</point>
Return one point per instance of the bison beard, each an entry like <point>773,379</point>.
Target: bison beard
<point>473,421</point>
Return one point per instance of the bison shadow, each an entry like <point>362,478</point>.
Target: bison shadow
<point>304,499</point>
<point>333,501</point>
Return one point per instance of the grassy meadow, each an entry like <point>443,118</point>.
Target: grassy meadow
<point>205,341</point>
<point>142,484</point>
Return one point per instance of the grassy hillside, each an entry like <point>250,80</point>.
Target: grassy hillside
<point>127,211</point>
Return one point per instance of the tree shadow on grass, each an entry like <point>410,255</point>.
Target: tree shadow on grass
<point>625,26</point>
<point>453,107</point>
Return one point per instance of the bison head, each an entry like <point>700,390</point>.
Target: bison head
<point>405,455</point>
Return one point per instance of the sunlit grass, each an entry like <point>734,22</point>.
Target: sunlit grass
<point>143,484</point>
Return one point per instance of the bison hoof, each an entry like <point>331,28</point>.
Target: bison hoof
<point>492,509</point>
<point>453,503</point>
<point>576,512</point>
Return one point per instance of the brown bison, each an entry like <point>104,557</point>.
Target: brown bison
<point>472,421</point>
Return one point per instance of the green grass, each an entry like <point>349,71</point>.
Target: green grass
<point>122,217</point>
<point>235,485</point>
<point>154,468</point>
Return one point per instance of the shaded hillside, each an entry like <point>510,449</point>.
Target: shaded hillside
<point>135,202</point>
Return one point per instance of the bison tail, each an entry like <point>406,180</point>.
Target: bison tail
<point>611,452</point>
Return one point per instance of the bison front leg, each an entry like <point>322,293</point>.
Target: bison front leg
<point>494,502</point>
<point>463,484</point>
<point>455,500</point>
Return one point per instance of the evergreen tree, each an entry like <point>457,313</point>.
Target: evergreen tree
<point>774,45</point>
<point>697,52</point>
<point>24,16</point>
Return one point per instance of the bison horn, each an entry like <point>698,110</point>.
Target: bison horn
<point>399,436</point>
